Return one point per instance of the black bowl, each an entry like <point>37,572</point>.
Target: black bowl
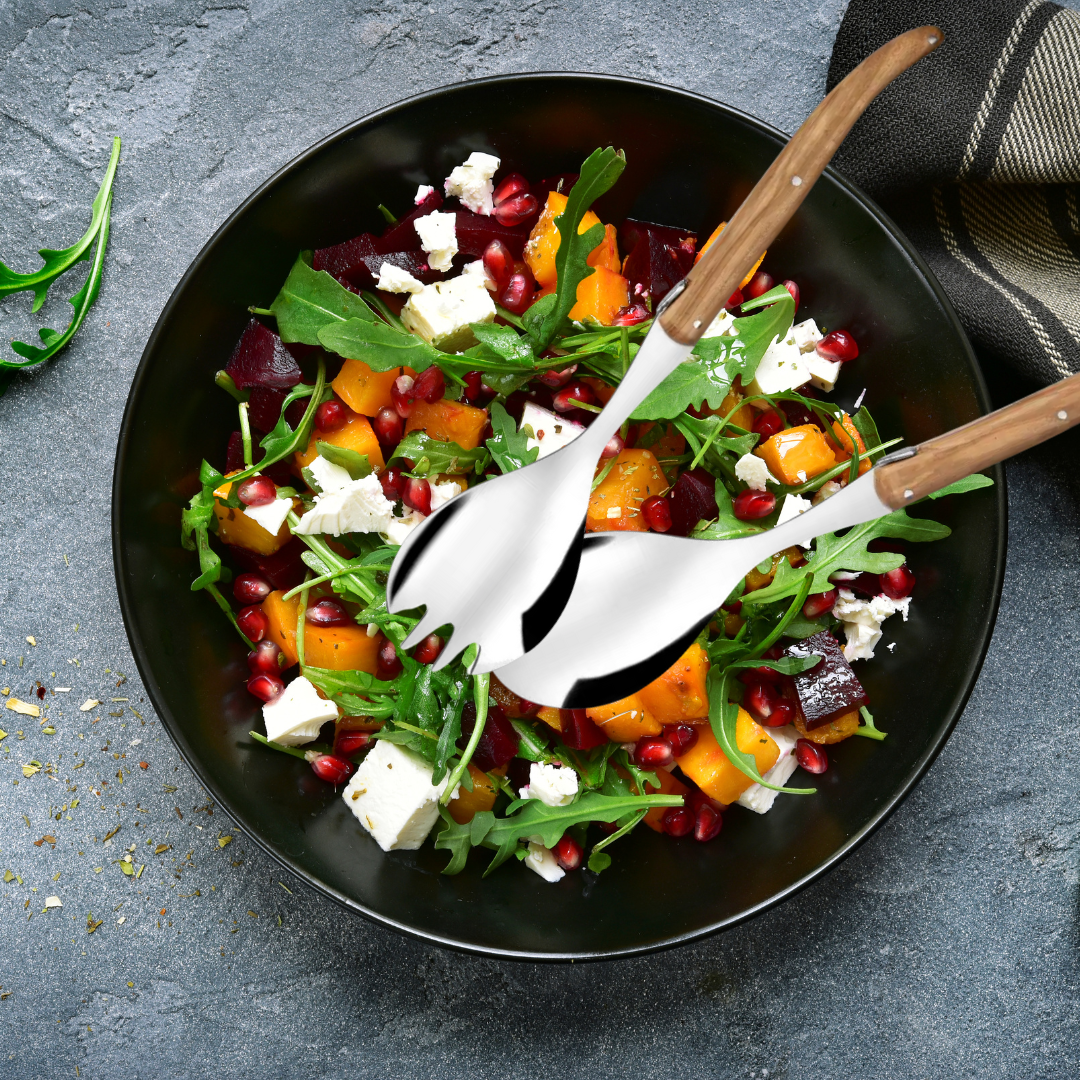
<point>690,162</point>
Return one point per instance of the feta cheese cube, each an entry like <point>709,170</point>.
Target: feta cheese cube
<point>399,528</point>
<point>422,192</point>
<point>441,313</point>
<point>753,472</point>
<point>552,785</point>
<point>760,799</point>
<point>471,183</point>
<point>328,476</point>
<point>359,506</point>
<point>806,335</point>
<point>792,507</point>
<point>297,715</point>
<point>396,280</point>
<point>781,368</point>
<point>542,861</point>
<point>550,431</point>
<point>720,325</point>
<point>862,621</point>
<point>438,237</point>
<point>271,516</point>
<point>823,373</point>
<point>393,798</point>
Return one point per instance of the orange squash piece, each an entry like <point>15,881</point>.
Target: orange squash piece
<point>354,434</point>
<point>544,240</point>
<point>601,389</point>
<point>340,648</point>
<point>671,444</point>
<point>600,295</point>
<point>606,254</point>
<point>624,721</point>
<point>616,504</point>
<point>757,580</point>
<point>449,421</point>
<point>679,695</point>
<point>551,717</point>
<point>282,615</point>
<point>846,440</point>
<point>743,416</point>
<point>363,390</point>
<point>235,527</point>
<point>707,765</point>
<point>713,237</point>
<point>469,803</point>
<point>669,785</point>
<point>797,454</point>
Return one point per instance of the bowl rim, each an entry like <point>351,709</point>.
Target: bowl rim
<point>128,602</point>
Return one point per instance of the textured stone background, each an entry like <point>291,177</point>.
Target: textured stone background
<point>945,947</point>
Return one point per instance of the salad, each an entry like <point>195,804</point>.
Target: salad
<point>478,331</point>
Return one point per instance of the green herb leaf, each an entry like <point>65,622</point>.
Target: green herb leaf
<point>380,346</point>
<point>969,483</point>
<point>356,465</point>
<point>727,526</point>
<point>864,424</point>
<point>311,299</point>
<point>432,456</point>
<point>867,727</point>
<point>509,447</point>
<point>504,343</point>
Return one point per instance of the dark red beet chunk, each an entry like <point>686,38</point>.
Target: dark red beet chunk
<point>578,731</point>
<point>264,407</point>
<point>798,414</point>
<point>475,232</point>
<point>284,569</point>
<point>829,689</point>
<point>402,236</point>
<point>693,500</point>
<point>499,742</point>
<point>415,262</point>
<point>280,473</point>
<point>344,260</point>
<point>658,257</point>
<point>260,359</point>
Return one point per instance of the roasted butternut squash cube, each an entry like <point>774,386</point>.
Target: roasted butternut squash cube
<point>707,765</point>
<point>282,615</point>
<point>600,295</point>
<point>669,785</point>
<point>758,580</point>
<point>544,240</point>
<point>236,527</point>
<point>679,695</point>
<point>797,454</point>
<point>843,727</point>
<point>340,648</point>
<point>450,421</point>
<point>363,390</point>
<point>355,434</point>
<point>846,440</point>
<point>616,504</point>
<point>713,237</point>
<point>743,416</point>
<point>624,721</point>
<point>469,803</point>
<point>552,717</point>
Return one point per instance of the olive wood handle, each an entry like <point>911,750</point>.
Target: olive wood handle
<point>978,445</point>
<point>780,192</point>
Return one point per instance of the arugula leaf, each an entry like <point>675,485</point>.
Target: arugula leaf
<point>532,745</point>
<point>867,728</point>
<point>969,483</point>
<point>283,440</point>
<point>436,455</point>
<point>380,346</point>
<point>727,526</point>
<point>359,693</point>
<point>311,299</point>
<point>546,317</point>
<point>505,343</point>
<point>708,445</point>
<point>356,465</point>
<point>865,426</point>
<point>509,447</point>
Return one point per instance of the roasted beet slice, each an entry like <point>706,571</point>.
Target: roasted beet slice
<point>657,257</point>
<point>346,260</point>
<point>264,407</point>
<point>284,569</point>
<point>402,236</point>
<point>578,731</point>
<point>692,500</point>
<point>560,182</point>
<point>475,232</point>
<point>260,359</point>
<point>499,742</point>
<point>415,262</point>
<point>829,689</point>
<point>798,414</point>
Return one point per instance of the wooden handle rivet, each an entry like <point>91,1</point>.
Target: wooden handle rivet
<point>796,181</point>
<point>908,493</point>
<point>697,324</point>
<point>931,40</point>
<point>1062,414</point>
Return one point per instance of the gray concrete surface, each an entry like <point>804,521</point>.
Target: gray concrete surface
<point>945,947</point>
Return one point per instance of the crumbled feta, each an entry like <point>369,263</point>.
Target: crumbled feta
<point>271,516</point>
<point>753,472</point>
<point>327,475</point>
<point>552,785</point>
<point>393,797</point>
<point>438,237</point>
<point>792,507</point>
<point>422,192</point>
<point>760,799</point>
<point>441,313</point>
<point>296,716</point>
<point>806,335</point>
<point>472,183</point>
<point>862,621</point>
<point>781,368</point>
<point>720,325</point>
<point>400,528</point>
<point>396,280</point>
<point>549,431</point>
<point>542,861</point>
<point>823,373</point>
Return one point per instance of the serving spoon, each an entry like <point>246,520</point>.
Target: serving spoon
<point>525,530</point>
<point>612,640</point>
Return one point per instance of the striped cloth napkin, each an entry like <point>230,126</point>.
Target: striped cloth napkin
<point>975,152</point>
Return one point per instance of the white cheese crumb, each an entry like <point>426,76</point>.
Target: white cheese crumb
<point>297,715</point>
<point>792,507</point>
<point>862,621</point>
<point>270,516</point>
<point>542,861</point>
<point>891,646</point>
<point>438,237</point>
<point>396,280</point>
<point>782,368</point>
<point>441,313</point>
<point>472,184</point>
<point>614,512</point>
<point>328,476</point>
<point>422,192</point>
<point>88,704</point>
<point>760,799</point>
<point>53,901</point>
<point>553,786</point>
<point>399,528</point>
<point>720,325</point>
<point>753,472</point>
<point>550,431</point>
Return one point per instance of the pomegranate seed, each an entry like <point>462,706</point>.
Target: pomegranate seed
<point>793,289</point>
<point>427,652</point>
<point>653,752</point>
<point>508,187</point>
<point>330,415</point>
<point>656,511</point>
<point>707,823</point>
<point>557,379</point>
<point>430,385</point>
<point>518,294</point>
<point>631,315</point>
<point>568,852</point>
<point>681,737</point>
<point>819,603</point>
<point>417,495</point>
<point>473,384</point>
<point>810,756</point>
<point>759,699</point>
<point>735,300</point>
<point>499,264</point>
<point>760,283</point>
<point>898,583</point>
<point>751,505</point>
<point>388,666</point>
<point>402,395</point>
<point>768,424</point>
<point>257,491</point>
<point>393,483</point>
<point>251,589</point>
<point>783,713</point>
<point>265,658</point>
<point>327,613</point>
<point>388,426</point>
<point>253,622</point>
<point>839,345</point>
<point>678,821</point>
<point>517,209</point>
<point>334,770</point>
<point>266,687</point>
<point>347,743</point>
<point>614,447</point>
<point>569,396</point>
